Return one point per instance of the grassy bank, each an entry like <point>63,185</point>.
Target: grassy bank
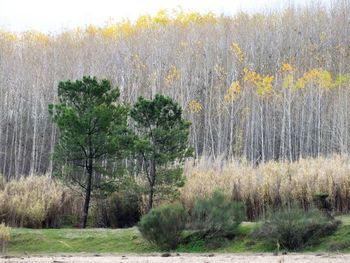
<point>47,241</point>
<point>95,241</point>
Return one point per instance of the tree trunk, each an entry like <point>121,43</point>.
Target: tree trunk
<point>87,197</point>
<point>150,199</point>
<point>151,179</point>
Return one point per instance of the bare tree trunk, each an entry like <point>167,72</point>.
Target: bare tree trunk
<point>87,194</point>
<point>151,180</point>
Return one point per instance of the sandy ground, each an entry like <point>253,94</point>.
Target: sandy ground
<point>191,258</point>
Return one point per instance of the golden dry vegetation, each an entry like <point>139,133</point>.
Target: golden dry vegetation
<point>271,184</point>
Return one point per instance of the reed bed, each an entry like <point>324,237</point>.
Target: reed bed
<point>5,235</point>
<point>272,184</point>
<point>36,201</point>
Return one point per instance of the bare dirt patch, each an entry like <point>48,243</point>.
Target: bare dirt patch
<point>190,258</point>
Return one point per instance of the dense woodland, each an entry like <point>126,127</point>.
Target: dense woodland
<point>264,86</point>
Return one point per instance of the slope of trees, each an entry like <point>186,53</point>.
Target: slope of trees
<point>266,86</point>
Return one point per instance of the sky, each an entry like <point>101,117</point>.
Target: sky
<point>52,16</point>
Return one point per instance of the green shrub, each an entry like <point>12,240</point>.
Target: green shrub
<point>293,228</point>
<point>121,209</point>
<point>125,209</point>
<point>217,217</point>
<point>163,225</point>
<point>339,245</point>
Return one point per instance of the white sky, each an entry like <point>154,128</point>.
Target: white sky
<point>55,15</point>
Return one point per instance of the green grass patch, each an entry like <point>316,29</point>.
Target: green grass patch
<point>47,241</point>
<point>96,241</point>
<point>338,242</point>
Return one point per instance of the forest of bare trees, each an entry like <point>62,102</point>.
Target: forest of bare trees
<point>264,86</point>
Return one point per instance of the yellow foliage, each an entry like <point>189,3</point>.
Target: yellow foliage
<point>251,76</point>
<point>92,30</point>
<point>262,83</point>
<point>286,67</point>
<point>300,83</point>
<point>288,81</point>
<point>162,17</point>
<point>318,76</point>
<point>125,26</point>
<point>311,75</point>
<point>232,92</point>
<point>185,19</point>
<point>143,22</point>
<point>33,38</point>
<point>172,76</point>
<point>265,87</point>
<point>322,77</point>
<point>195,106</point>
<point>325,79</point>
<point>209,17</point>
<point>236,50</point>
<point>41,38</point>
<point>341,80</point>
<point>110,30</point>
<point>9,36</point>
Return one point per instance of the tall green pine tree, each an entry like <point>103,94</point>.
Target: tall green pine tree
<point>162,139</point>
<point>92,129</point>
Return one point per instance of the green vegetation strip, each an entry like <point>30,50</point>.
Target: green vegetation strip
<point>53,241</point>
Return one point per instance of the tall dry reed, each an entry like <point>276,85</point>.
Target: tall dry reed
<point>5,235</point>
<point>272,184</point>
<point>36,201</point>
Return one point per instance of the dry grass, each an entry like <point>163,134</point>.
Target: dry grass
<point>271,184</point>
<point>39,201</point>
<point>35,201</point>
<point>5,234</point>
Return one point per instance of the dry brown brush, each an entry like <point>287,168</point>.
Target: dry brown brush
<point>5,235</point>
<point>37,201</point>
<point>271,185</point>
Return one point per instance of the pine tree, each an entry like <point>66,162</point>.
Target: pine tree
<point>92,129</point>
<point>162,139</point>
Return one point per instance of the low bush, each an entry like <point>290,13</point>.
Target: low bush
<point>121,209</point>
<point>125,210</point>
<point>217,217</point>
<point>339,245</point>
<point>5,234</point>
<point>163,225</point>
<point>293,228</point>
